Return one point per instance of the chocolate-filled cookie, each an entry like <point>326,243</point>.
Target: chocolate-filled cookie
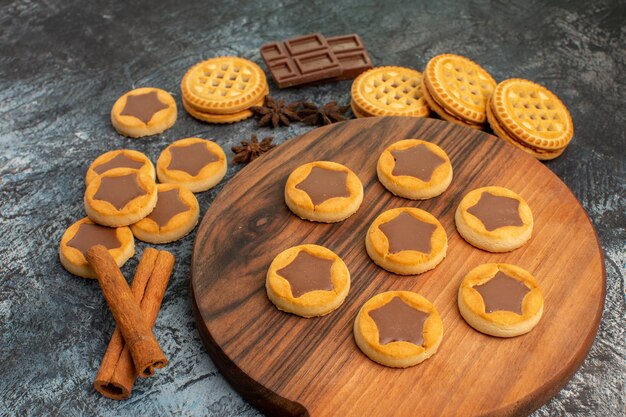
<point>84,234</point>
<point>323,191</point>
<point>196,163</point>
<point>495,219</point>
<point>144,112</point>
<point>406,241</point>
<point>501,300</point>
<point>120,197</point>
<point>414,169</point>
<point>174,216</point>
<point>307,280</point>
<point>120,158</point>
<point>398,329</point>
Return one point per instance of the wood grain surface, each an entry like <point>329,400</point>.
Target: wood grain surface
<point>287,365</point>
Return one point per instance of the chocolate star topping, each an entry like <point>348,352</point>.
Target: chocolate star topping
<point>399,322</point>
<point>331,112</point>
<point>89,235</point>
<point>191,158</point>
<point>308,273</point>
<point>276,113</point>
<point>405,232</point>
<point>249,151</point>
<point>502,292</point>
<point>418,162</point>
<point>323,184</point>
<point>119,161</point>
<point>119,191</point>
<point>496,211</point>
<point>143,106</point>
<point>168,205</point>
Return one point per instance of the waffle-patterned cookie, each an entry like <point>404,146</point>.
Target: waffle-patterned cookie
<point>223,85</point>
<point>221,118</point>
<point>389,91</point>
<point>532,114</point>
<point>459,86</point>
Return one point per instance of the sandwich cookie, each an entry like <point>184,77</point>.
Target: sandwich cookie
<point>307,280</point>
<point>495,219</point>
<point>174,216</point>
<point>121,158</point>
<point>500,300</point>
<point>323,191</point>
<point>143,112</point>
<point>388,91</point>
<point>198,164</point>
<point>530,117</point>
<point>398,329</point>
<point>414,169</point>
<point>84,234</point>
<point>458,89</point>
<point>406,241</point>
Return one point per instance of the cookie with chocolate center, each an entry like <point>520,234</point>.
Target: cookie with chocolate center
<point>143,112</point>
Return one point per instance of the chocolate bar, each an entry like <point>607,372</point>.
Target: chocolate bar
<point>311,58</point>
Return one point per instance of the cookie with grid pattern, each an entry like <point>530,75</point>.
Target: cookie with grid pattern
<point>459,86</point>
<point>389,91</point>
<point>434,106</point>
<point>221,118</point>
<point>223,85</point>
<point>532,114</point>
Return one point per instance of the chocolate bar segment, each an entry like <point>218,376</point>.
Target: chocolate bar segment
<point>312,58</point>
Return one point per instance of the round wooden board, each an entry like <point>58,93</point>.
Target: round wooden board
<point>287,365</point>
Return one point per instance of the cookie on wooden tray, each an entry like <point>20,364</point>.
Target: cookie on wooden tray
<point>495,219</point>
<point>120,158</point>
<point>530,117</point>
<point>120,197</point>
<point>398,329</point>
<point>307,280</point>
<point>388,91</point>
<point>143,112</point>
<point>196,163</point>
<point>84,234</point>
<point>458,89</point>
<point>224,85</point>
<point>323,191</point>
<point>414,169</point>
<point>501,300</point>
<point>174,216</point>
<point>406,241</point>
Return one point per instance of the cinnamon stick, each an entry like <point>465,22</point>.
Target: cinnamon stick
<point>117,374</point>
<point>137,332</point>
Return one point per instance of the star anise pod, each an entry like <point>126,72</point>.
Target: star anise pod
<point>249,151</point>
<point>275,113</point>
<point>330,113</point>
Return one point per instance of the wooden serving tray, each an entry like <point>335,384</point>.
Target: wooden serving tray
<point>287,365</point>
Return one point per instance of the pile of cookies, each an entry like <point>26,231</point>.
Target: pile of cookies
<point>402,328</point>
<point>222,89</point>
<point>523,113</point>
<point>123,201</point>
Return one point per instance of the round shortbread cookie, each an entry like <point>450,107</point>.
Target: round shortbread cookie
<point>500,300</point>
<point>120,158</point>
<point>223,85</point>
<point>119,197</point>
<point>196,163</point>
<point>221,118</point>
<point>323,191</point>
<point>414,169</point>
<point>307,280</point>
<point>389,91</point>
<point>406,241</point>
<point>84,234</point>
<point>533,114</point>
<point>398,329</point>
<point>143,112</point>
<point>459,86</point>
<point>540,154</point>
<point>495,219</point>
<point>174,216</point>
<point>445,115</point>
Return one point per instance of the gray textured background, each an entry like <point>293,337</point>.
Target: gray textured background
<point>64,63</point>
